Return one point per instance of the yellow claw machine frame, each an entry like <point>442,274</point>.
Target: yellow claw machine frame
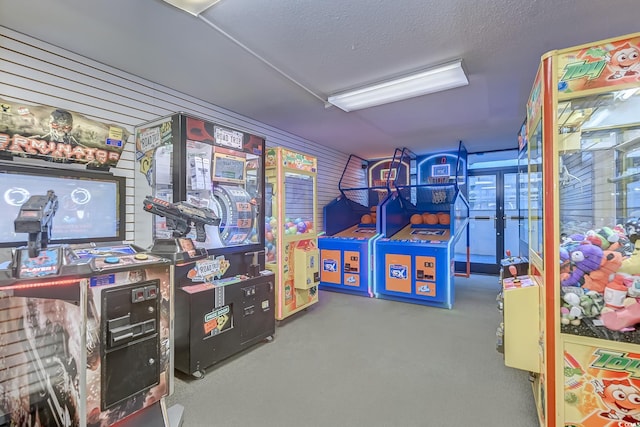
<point>291,240</point>
<point>583,127</point>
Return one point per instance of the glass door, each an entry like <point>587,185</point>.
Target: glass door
<point>493,217</point>
<point>511,213</point>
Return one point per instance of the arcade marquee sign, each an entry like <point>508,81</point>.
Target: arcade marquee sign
<point>56,134</point>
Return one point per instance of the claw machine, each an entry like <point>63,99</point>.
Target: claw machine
<point>583,129</point>
<point>224,297</point>
<point>290,233</point>
<point>352,224</point>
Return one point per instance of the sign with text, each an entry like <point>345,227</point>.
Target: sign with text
<point>56,134</point>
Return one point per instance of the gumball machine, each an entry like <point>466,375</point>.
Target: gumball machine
<point>291,242</point>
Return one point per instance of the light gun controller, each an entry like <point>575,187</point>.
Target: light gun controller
<point>36,218</point>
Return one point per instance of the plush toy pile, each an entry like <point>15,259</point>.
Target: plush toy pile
<point>600,277</point>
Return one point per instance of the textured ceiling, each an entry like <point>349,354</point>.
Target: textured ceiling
<point>332,45</point>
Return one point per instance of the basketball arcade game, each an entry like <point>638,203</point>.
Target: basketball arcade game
<point>421,224</point>
<point>291,240</point>
<point>86,326</point>
<point>352,224</point>
<point>224,295</point>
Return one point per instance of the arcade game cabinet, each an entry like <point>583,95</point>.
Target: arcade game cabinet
<point>421,224</point>
<point>224,299</point>
<point>584,163</point>
<point>86,323</point>
<point>291,240</point>
<point>86,336</point>
<point>352,224</point>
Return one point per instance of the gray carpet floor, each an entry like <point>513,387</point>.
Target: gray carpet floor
<point>353,361</point>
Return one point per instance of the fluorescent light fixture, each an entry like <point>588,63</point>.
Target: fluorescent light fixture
<point>194,7</point>
<point>436,79</point>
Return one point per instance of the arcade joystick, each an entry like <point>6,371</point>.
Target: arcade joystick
<point>514,271</point>
<point>508,252</point>
<point>513,266</point>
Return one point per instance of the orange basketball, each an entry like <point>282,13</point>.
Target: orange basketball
<point>416,219</point>
<point>366,219</point>
<point>425,217</point>
<point>374,208</point>
<point>444,218</point>
<point>432,219</point>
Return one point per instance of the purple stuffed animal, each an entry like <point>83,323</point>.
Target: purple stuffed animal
<point>585,258</point>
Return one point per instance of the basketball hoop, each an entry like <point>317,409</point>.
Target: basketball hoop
<point>381,192</point>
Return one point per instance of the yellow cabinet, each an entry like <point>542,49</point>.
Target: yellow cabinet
<point>521,311</point>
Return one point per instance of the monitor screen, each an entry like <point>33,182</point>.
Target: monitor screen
<point>90,205</point>
<point>228,168</point>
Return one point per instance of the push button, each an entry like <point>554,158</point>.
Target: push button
<point>151,291</point>
<point>137,295</point>
<point>112,260</point>
<point>141,257</point>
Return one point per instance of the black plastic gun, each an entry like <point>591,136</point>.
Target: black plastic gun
<point>36,218</point>
<point>181,216</point>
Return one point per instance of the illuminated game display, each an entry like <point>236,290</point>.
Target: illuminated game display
<point>193,168</point>
<point>352,223</point>
<point>90,204</point>
<point>290,237</point>
<point>415,255</point>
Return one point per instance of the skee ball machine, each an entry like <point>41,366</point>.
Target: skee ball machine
<point>224,300</point>
<point>291,240</point>
<point>421,224</point>
<point>352,224</point>
<point>584,146</point>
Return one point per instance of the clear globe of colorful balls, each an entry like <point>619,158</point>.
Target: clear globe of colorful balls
<point>291,227</point>
<point>295,226</point>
